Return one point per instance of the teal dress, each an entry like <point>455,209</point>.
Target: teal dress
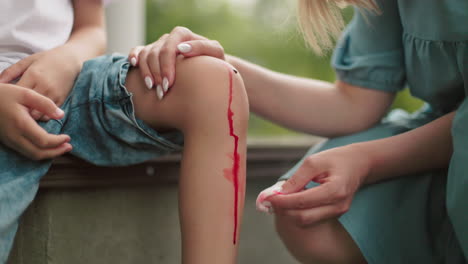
<point>423,45</point>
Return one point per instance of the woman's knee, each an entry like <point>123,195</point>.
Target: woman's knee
<point>327,242</point>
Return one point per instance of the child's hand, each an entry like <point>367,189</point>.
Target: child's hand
<point>157,61</point>
<point>19,131</point>
<point>339,171</point>
<point>50,73</point>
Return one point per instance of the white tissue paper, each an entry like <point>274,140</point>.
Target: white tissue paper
<point>262,204</point>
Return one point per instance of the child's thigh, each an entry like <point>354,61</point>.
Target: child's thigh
<point>19,182</point>
<point>101,122</point>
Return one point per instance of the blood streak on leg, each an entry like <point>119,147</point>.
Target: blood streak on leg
<point>233,174</point>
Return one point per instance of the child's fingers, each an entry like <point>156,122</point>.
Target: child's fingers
<point>133,55</point>
<point>28,149</point>
<point>44,118</point>
<point>16,70</point>
<point>26,81</point>
<point>33,100</point>
<point>36,115</point>
<point>39,137</point>
<point>201,47</point>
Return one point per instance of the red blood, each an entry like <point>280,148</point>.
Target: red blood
<point>235,157</point>
<point>228,175</point>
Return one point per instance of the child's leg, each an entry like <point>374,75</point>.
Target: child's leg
<point>19,182</point>
<point>212,180</point>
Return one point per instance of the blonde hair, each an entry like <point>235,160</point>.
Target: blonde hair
<point>321,21</point>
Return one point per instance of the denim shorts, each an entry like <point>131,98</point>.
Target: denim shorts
<point>100,119</point>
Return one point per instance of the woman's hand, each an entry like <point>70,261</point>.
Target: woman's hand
<point>20,132</point>
<point>157,60</point>
<point>50,73</point>
<point>340,172</point>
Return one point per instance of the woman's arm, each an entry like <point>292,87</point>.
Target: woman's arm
<point>425,148</point>
<point>312,106</point>
<point>341,171</point>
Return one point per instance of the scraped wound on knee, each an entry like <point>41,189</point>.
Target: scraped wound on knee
<point>232,174</point>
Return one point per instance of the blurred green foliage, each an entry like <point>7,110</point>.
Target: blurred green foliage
<point>261,31</point>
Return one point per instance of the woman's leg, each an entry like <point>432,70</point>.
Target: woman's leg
<point>209,104</point>
<point>327,242</point>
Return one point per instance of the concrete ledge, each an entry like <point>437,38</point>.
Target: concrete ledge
<point>265,158</point>
<point>94,215</point>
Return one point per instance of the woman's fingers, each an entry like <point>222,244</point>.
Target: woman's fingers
<point>134,54</point>
<point>169,52</point>
<point>310,198</point>
<point>339,177</point>
<point>313,205</point>
<point>155,69</point>
<point>144,67</point>
<point>150,69</point>
<point>306,218</point>
<point>157,61</point>
<point>154,66</point>
<point>262,203</point>
<point>147,55</point>
<point>201,47</point>
<point>310,169</point>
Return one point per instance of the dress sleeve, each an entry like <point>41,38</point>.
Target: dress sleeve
<point>370,52</point>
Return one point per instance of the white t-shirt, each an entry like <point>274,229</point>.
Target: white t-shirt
<point>30,26</point>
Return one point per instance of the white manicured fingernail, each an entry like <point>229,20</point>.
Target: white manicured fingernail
<point>133,61</point>
<point>165,84</point>
<point>184,47</point>
<point>159,92</point>
<point>148,82</point>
